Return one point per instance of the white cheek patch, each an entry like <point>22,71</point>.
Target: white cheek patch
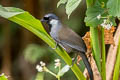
<point>53,21</point>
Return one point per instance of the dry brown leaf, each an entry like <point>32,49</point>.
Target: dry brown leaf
<point>108,35</point>
<point>96,73</point>
<point>86,39</point>
<point>111,58</point>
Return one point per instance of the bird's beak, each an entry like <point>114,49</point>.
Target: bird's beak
<point>42,20</point>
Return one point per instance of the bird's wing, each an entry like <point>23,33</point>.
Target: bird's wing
<point>71,39</point>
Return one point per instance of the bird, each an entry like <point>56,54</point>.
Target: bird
<point>67,38</point>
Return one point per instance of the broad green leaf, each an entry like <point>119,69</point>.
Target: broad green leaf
<point>92,13</point>
<point>8,12</point>
<point>3,77</point>
<point>114,7</point>
<point>64,70</point>
<point>34,25</point>
<point>71,6</point>
<point>61,2</point>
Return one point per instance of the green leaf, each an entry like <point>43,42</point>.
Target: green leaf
<point>34,25</point>
<point>61,2</point>
<point>114,7</point>
<point>8,12</point>
<point>71,6</point>
<point>92,13</point>
<point>3,77</point>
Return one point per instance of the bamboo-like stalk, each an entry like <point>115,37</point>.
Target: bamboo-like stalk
<point>117,65</point>
<point>111,57</point>
<point>103,54</point>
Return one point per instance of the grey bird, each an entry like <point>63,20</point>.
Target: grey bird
<point>67,38</point>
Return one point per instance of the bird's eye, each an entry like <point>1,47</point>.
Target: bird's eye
<point>46,18</point>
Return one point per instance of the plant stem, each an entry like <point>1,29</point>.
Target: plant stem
<point>58,77</point>
<point>117,64</point>
<point>94,39</point>
<point>103,65</point>
<point>47,70</point>
<point>95,46</point>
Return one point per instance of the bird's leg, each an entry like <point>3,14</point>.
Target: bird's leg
<point>73,59</point>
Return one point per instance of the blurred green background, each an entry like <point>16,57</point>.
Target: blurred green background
<point>20,50</point>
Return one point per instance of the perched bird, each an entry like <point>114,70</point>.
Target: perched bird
<point>67,38</point>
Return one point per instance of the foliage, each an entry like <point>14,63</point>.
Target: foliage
<point>34,25</point>
<point>8,12</point>
<point>114,7</point>
<point>98,12</point>
<point>92,13</point>
<point>71,5</point>
<point>3,77</point>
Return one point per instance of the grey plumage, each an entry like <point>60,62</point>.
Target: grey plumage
<point>67,38</point>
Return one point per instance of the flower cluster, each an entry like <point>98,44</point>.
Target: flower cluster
<point>40,67</point>
<point>57,63</point>
<point>107,24</point>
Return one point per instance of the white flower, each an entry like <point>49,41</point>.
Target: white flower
<point>39,68</point>
<point>57,63</point>
<point>106,25</point>
<point>42,63</point>
<point>57,60</point>
<point>98,17</point>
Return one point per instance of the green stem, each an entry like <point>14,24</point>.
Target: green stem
<point>58,77</point>
<point>94,39</point>
<point>47,70</point>
<point>95,46</point>
<point>117,65</point>
<point>59,71</point>
<point>103,69</point>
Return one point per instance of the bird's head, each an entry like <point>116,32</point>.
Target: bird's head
<point>51,19</point>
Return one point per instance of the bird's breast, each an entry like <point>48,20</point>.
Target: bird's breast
<point>54,32</point>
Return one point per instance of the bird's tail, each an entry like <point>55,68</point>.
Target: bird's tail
<point>87,65</point>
